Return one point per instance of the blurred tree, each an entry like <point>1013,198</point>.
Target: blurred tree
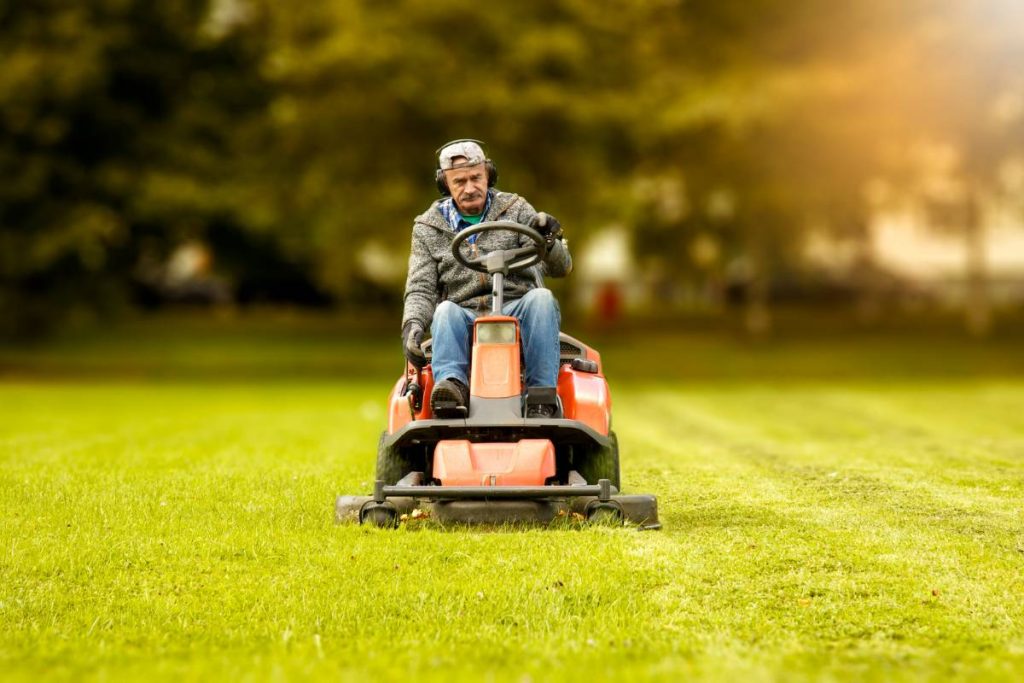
<point>118,121</point>
<point>366,91</point>
<point>961,101</point>
<point>300,137</point>
<point>766,125</point>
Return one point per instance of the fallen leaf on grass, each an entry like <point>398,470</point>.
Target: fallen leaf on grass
<point>571,516</point>
<point>416,515</point>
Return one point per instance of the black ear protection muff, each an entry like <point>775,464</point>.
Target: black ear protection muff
<point>442,185</point>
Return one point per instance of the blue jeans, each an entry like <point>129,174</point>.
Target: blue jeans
<point>539,319</point>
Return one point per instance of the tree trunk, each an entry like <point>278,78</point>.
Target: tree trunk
<point>757,318</point>
<point>867,279</point>
<point>978,304</point>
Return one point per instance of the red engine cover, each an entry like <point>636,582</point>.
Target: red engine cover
<point>529,462</point>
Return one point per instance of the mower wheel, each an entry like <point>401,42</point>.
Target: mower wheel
<point>604,514</point>
<point>600,463</point>
<point>392,464</point>
<point>380,515</point>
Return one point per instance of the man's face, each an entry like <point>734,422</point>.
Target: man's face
<point>468,186</point>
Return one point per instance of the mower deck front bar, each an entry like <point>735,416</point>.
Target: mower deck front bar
<point>603,491</point>
<point>496,504</point>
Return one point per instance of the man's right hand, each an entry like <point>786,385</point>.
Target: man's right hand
<point>548,226</point>
<point>412,337</point>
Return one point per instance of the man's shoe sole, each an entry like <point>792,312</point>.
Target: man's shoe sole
<point>447,405</point>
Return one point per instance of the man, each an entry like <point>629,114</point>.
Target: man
<point>446,297</point>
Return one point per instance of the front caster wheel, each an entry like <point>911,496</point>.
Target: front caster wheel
<point>381,515</point>
<point>604,514</point>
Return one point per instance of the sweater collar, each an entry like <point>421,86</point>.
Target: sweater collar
<point>501,203</point>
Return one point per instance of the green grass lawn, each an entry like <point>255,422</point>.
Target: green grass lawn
<point>818,524</point>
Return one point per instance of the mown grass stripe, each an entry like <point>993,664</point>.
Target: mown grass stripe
<point>188,533</point>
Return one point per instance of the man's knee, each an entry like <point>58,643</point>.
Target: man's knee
<point>540,296</point>
<point>445,309</point>
<point>449,316</point>
<point>540,301</point>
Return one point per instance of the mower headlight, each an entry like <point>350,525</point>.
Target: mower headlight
<point>496,333</point>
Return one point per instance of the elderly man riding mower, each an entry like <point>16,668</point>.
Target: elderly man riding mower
<point>517,427</point>
<point>466,178</point>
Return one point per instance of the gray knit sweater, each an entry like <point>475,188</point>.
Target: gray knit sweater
<point>435,276</point>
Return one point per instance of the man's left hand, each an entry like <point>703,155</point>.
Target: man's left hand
<point>548,226</point>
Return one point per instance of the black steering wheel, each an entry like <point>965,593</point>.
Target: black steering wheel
<point>502,260</point>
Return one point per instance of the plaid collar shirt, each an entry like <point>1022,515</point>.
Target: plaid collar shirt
<point>454,218</point>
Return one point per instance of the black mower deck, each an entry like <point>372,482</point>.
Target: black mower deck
<point>495,505</point>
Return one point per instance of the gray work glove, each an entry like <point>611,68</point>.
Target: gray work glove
<point>412,336</point>
<point>548,226</point>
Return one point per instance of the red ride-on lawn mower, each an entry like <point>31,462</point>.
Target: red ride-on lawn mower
<point>494,465</point>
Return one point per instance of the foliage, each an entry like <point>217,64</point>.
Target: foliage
<point>716,132</point>
<point>118,121</point>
